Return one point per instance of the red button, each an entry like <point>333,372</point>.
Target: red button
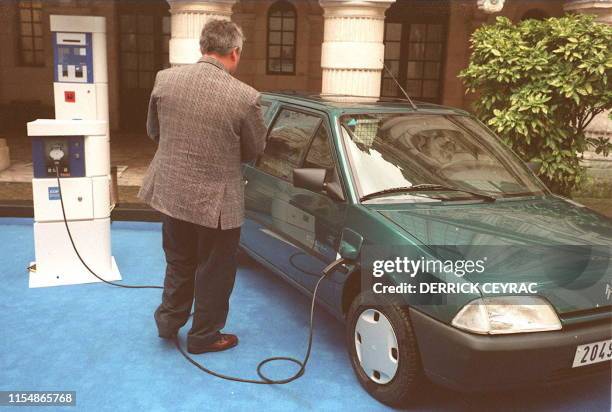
<point>69,97</point>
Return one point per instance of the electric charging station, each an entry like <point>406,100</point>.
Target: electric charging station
<point>82,149</point>
<point>74,150</point>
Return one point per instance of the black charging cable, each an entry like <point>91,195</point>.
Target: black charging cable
<point>59,189</point>
<point>264,380</point>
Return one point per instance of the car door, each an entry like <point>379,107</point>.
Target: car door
<point>327,213</point>
<point>294,229</point>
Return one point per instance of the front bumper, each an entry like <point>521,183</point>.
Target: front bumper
<point>471,362</point>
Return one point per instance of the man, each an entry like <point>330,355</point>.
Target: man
<point>206,123</point>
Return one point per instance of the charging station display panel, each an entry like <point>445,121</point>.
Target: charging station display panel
<point>73,57</point>
<point>45,150</point>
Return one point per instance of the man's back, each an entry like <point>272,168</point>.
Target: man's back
<point>207,123</point>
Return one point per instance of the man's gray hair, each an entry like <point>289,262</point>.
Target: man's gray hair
<point>221,37</point>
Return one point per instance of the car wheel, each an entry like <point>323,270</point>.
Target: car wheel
<point>383,349</point>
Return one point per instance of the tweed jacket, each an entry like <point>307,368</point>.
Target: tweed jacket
<point>206,123</point>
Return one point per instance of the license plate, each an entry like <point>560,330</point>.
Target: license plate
<point>593,353</point>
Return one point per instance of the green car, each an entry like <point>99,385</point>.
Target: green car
<point>344,177</point>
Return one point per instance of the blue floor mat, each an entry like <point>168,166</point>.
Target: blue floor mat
<point>102,343</point>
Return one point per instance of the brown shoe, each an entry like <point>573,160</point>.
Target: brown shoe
<point>225,341</point>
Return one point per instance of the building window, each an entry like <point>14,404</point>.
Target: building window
<point>416,34</point>
<point>414,54</point>
<point>393,39</point>
<point>282,31</point>
<point>424,69</point>
<point>144,48</point>
<point>31,50</point>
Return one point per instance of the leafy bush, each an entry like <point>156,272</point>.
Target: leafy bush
<point>600,145</point>
<point>539,84</point>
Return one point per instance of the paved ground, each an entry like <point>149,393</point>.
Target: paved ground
<point>101,342</point>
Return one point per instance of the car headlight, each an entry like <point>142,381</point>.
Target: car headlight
<point>507,314</point>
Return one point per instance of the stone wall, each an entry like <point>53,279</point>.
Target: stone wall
<point>253,17</point>
<point>31,84</point>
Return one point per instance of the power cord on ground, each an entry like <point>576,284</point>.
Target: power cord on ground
<point>264,380</point>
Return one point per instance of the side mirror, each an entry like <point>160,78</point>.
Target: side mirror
<point>350,244</point>
<point>314,180</point>
<point>311,179</point>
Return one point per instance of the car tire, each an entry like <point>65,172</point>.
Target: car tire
<point>404,385</point>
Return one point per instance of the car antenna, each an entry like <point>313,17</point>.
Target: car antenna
<point>400,86</point>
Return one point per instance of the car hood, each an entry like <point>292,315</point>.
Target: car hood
<point>530,227</point>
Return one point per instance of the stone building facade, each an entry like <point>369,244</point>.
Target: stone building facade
<point>329,46</point>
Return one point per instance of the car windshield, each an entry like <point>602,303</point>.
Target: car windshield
<point>389,151</point>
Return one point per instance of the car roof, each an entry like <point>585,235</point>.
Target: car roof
<point>349,103</point>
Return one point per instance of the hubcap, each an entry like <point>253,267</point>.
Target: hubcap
<point>376,346</point>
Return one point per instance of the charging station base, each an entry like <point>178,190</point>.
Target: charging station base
<point>71,277</point>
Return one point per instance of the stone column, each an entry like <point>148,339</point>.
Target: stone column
<point>188,18</point>
<point>353,51</point>
<point>601,8</point>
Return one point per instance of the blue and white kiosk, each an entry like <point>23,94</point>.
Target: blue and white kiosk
<point>77,142</point>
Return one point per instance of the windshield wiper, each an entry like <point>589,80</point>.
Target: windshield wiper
<point>424,188</point>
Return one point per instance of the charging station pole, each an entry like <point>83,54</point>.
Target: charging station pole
<point>77,143</point>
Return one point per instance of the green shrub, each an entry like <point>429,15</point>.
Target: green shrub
<point>539,84</point>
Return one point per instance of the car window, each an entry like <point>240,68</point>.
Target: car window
<point>403,150</point>
<point>319,155</point>
<point>265,106</point>
<point>288,142</point>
